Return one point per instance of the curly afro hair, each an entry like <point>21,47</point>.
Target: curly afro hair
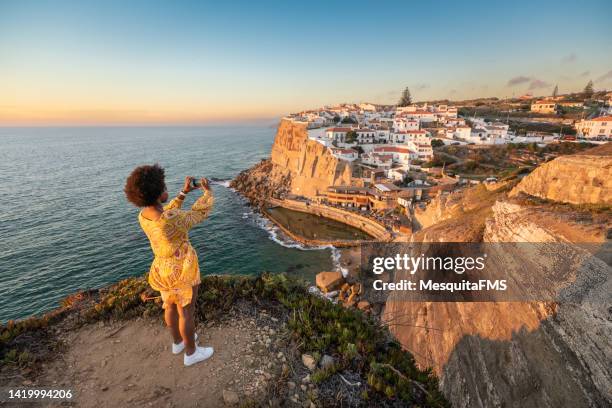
<point>145,185</point>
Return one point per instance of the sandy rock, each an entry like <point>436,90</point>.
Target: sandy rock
<point>584,178</point>
<point>328,281</point>
<point>309,361</point>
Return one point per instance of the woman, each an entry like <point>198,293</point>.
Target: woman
<point>175,271</point>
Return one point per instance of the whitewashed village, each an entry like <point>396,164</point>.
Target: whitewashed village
<point>406,154</point>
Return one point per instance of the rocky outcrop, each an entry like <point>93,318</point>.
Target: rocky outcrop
<point>536,353</point>
<point>297,165</point>
<point>584,178</point>
<point>262,182</point>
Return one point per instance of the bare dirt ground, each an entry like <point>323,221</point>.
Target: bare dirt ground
<point>130,363</point>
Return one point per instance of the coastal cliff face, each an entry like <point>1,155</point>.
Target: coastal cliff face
<point>577,179</point>
<point>541,353</point>
<point>297,166</point>
<point>312,167</point>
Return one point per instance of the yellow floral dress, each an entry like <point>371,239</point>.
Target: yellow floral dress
<point>175,269</point>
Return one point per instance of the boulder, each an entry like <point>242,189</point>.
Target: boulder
<point>327,281</point>
<point>230,397</point>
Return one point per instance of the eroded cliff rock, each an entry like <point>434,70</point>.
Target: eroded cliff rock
<point>541,353</point>
<point>584,178</point>
<point>297,165</point>
<point>528,353</point>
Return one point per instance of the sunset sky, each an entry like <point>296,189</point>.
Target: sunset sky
<point>179,62</point>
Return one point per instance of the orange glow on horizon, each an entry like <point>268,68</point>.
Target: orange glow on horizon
<point>42,116</point>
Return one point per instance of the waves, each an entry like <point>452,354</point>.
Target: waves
<point>275,234</point>
<point>221,182</point>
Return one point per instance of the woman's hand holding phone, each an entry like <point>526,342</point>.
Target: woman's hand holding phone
<point>189,185</point>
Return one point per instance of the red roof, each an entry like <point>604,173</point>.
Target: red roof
<point>418,113</point>
<point>344,151</point>
<point>602,119</point>
<point>339,129</point>
<point>392,149</point>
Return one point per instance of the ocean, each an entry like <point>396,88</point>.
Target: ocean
<point>66,225</point>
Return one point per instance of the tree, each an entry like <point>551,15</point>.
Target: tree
<point>588,90</point>
<point>555,91</point>
<point>437,143</point>
<point>406,98</point>
<point>351,136</point>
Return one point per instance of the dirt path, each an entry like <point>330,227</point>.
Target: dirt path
<point>131,363</point>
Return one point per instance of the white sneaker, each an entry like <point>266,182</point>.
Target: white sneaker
<point>200,354</point>
<point>178,348</point>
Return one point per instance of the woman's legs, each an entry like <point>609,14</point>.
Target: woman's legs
<point>187,322</point>
<point>172,321</point>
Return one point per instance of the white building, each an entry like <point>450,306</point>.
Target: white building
<point>397,174</point>
<point>383,136</point>
<point>365,136</point>
<point>454,122</point>
<point>462,132</point>
<point>344,154</point>
<point>497,130</point>
<point>423,116</point>
<point>597,128</point>
<point>400,154</point>
<point>377,159</point>
<point>406,136</point>
<point>544,106</point>
<point>424,150</point>
<point>404,124</point>
<point>337,134</point>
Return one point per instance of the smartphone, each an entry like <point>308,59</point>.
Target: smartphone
<point>195,182</point>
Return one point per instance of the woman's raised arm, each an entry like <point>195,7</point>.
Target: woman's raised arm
<point>199,210</point>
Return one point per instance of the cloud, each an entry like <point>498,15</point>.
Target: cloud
<point>605,77</point>
<point>569,58</point>
<point>537,84</point>
<point>518,80</point>
<point>585,74</point>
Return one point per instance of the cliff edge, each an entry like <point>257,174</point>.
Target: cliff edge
<point>584,178</point>
<point>297,165</point>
